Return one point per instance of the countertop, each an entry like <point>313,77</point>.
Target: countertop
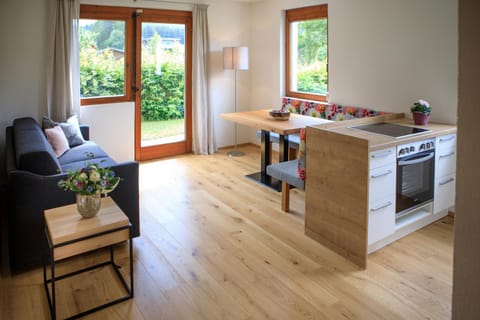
<point>379,141</point>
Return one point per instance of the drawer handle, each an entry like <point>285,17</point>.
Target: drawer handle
<point>446,155</point>
<point>447,139</point>
<point>381,154</point>
<point>388,204</point>
<point>386,173</point>
<point>446,182</point>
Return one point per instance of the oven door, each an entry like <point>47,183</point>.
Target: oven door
<point>415,181</point>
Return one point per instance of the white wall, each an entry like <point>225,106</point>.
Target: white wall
<point>228,27</point>
<point>112,126</point>
<point>382,53</point>
<point>23,56</point>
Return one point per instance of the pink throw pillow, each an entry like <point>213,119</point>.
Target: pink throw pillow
<point>57,139</point>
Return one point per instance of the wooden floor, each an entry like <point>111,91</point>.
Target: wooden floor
<point>215,245</point>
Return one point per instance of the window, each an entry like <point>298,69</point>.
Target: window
<point>306,52</point>
<point>106,63</point>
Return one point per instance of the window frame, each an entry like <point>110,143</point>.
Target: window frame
<point>125,14</point>
<point>295,15</point>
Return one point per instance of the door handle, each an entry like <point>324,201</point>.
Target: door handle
<point>381,154</point>
<point>388,204</point>
<point>446,182</point>
<point>386,173</point>
<point>446,155</point>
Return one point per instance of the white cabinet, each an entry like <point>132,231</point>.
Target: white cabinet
<point>445,169</point>
<point>382,183</point>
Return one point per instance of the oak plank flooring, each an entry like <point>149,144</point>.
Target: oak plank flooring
<point>215,245</point>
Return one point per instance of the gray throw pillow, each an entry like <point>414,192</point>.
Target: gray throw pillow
<point>71,128</point>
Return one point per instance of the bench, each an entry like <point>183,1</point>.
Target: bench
<point>290,172</point>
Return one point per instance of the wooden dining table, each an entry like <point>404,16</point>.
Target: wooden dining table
<point>260,119</point>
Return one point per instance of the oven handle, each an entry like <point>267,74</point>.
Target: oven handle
<point>415,161</point>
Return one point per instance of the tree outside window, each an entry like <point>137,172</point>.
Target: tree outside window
<point>307,53</point>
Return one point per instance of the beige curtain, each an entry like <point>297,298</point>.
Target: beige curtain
<point>63,80</point>
<point>203,134</point>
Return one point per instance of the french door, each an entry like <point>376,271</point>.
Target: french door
<point>163,112</point>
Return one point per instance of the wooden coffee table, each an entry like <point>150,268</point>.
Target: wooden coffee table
<point>68,235</point>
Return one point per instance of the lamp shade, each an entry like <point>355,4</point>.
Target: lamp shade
<point>240,58</point>
<point>235,58</point>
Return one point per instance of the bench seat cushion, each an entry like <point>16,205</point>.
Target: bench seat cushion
<point>286,171</point>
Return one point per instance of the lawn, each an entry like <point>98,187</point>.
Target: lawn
<point>160,129</point>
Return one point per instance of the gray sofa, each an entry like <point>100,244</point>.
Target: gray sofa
<point>33,171</point>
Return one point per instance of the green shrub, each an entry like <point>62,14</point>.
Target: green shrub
<point>162,95</point>
<point>313,79</point>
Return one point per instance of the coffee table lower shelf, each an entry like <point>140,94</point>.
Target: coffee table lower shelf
<point>112,228</point>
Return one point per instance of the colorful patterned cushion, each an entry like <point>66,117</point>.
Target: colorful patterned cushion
<point>329,111</point>
<point>302,154</point>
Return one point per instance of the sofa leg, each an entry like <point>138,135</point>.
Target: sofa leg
<point>285,196</point>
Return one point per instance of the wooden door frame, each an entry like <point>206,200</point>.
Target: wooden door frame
<point>163,16</point>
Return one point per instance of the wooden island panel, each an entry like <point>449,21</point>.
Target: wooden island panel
<point>336,195</point>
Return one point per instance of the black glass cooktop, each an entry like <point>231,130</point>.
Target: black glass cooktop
<point>391,129</point>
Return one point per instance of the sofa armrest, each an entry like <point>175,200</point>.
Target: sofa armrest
<point>126,194</point>
<point>85,129</point>
<point>29,194</point>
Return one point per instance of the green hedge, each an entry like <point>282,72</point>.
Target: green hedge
<point>162,95</point>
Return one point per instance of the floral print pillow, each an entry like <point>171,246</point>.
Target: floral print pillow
<point>332,111</point>
<point>302,155</point>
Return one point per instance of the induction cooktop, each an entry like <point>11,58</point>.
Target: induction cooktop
<point>391,129</point>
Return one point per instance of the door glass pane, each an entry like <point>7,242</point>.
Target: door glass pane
<point>102,58</point>
<point>163,83</point>
<point>308,60</point>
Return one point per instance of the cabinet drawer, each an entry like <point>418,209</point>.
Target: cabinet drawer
<point>446,162</point>
<point>381,219</point>
<point>444,193</point>
<point>446,141</point>
<point>382,157</point>
<point>382,183</point>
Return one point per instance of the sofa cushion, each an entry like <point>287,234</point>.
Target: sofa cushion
<point>32,150</point>
<point>87,152</point>
<point>71,128</point>
<point>105,162</point>
<point>58,141</point>
<point>329,111</point>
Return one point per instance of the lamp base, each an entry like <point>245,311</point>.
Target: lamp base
<point>235,153</point>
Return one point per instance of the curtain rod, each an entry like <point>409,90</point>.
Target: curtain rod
<point>172,2</point>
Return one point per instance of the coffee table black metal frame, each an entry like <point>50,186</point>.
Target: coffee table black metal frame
<point>53,278</point>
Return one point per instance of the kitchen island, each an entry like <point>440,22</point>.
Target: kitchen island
<point>351,185</point>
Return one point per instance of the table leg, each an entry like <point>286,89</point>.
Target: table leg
<point>283,148</point>
<point>265,160</point>
<point>265,151</point>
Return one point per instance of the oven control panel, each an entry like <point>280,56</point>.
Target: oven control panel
<point>412,148</point>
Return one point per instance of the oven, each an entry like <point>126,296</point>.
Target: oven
<point>415,175</point>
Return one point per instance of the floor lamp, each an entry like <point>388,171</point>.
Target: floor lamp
<point>235,58</point>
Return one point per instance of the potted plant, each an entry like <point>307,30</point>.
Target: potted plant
<point>421,111</point>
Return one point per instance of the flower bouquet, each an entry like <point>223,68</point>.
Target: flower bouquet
<point>89,183</point>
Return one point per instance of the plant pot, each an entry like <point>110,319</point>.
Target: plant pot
<point>88,205</point>
<point>420,118</point>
